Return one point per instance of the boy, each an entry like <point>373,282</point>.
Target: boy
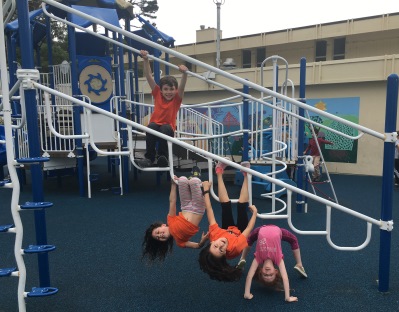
<point>314,152</point>
<point>168,97</point>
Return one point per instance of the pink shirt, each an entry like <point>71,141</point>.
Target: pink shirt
<point>268,245</point>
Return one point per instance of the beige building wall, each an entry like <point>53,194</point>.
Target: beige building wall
<point>371,55</point>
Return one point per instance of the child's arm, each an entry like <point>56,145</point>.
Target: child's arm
<point>200,244</point>
<point>248,281</point>
<point>183,80</point>
<point>172,199</point>
<point>208,206</point>
<point>286,282</point>
<point>251,222</point>
<point>147,69</point>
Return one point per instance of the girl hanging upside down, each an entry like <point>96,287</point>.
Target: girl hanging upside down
<point>268,255</point>
<point>159,237</point>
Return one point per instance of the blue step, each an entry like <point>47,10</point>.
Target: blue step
<point>32,160</point>
<point>39,248</point>
<point>4,182</point>
<point>5,228</point>
<point>42,291</point>
<point>7,271</point>
<point>36,205</point>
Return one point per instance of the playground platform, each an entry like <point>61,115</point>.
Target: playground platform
<point>97,264</point>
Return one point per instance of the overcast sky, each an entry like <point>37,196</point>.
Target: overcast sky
<point>181,18</point>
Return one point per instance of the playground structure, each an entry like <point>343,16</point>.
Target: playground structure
<point>120,131</point>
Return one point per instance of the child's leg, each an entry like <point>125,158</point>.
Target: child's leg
<point>242,206</point>
<point>227,215</point>
<point>197,199</point>
<point>163,144</point>
<point>151,141</point>
<point>290,238</point>
<point>184,192</point>
<point>222,191</point>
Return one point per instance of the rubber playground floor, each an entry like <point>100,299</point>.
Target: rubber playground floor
<point>97,262</point>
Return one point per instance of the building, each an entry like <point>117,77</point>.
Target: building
<point>348,59</point>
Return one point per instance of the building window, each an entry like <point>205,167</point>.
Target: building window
<point>246,58</point>
<point>339,49</point>
<point>260,56</point>
<point>189,66</point>
<point>321,50</point>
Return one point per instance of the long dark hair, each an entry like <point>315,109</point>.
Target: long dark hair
<point>218,268</point>
<point>154,249</point>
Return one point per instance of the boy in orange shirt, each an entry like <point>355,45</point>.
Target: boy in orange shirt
<point>168,97</point>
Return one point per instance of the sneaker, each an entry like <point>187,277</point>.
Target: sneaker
<point>245,164</point>
<point>220,166</point>
<point>241,264</point>
<point>301,271</point>
<point>162,161</point>
<point>144,163</point>
<point>195,172</point>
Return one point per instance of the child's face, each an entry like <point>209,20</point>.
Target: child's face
<point>161,233</point>
<point>269,272</point>
<point>168,92</point>
<point>218,247</point>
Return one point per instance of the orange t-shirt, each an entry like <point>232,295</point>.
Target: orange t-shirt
<point>181,229</point>
<point>236,241</point>
<point>165,113</point>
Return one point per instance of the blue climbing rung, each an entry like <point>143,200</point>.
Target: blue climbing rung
<point>39,248</point>
<point>4,182</point>
<point>5,228</point>
<point>42,291</point>
<point>36,205</point>
<point>32,160</point>
<point>7,271</point>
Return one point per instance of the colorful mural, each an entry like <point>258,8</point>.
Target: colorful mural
<point>343,150</point>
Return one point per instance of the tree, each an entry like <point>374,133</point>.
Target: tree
<point>147,7</point>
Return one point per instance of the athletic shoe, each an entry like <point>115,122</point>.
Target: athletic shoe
<point>195,172</point>
<point>241,264</point>
<point>220,166</point>
<point>144,163</point>
<point>162,161</point>
<point>245,164</point>
<point>301,271</point>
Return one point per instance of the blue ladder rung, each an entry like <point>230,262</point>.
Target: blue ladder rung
<point>4,182</point>
<point>5,228</point>
<point>39,248</point>
<point>7,271</point>
<point>31,160</point>
<point>36,205</point>
<point>42,291</point>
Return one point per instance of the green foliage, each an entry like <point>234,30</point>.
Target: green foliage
<point>147,7</point>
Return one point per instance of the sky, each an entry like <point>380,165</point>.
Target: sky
<point>181,18</point>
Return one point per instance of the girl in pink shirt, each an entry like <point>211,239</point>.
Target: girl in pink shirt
<point>269,255</point>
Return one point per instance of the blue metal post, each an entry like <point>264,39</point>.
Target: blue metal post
<point>387,182</point>
<point>301,131</point>
<point>27,56</point>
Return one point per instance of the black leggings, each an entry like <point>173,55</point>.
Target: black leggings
<point>227,216</point>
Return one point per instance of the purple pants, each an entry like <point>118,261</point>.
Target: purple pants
<point>191,198</point>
